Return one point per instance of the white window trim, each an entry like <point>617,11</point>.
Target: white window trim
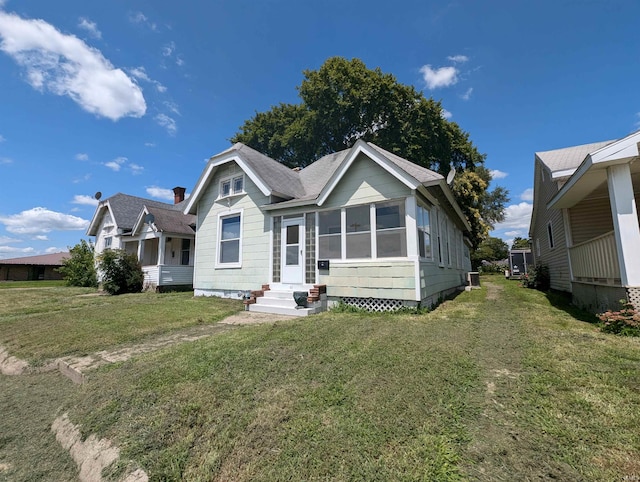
<point>221,216</point>
<point>550,237</point>
<point>372,233</point>
<point>431,257</point>
<point>231,180</point>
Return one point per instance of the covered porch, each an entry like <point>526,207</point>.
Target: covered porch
<point>599,204</point>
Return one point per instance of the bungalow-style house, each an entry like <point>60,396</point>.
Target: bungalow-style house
<point>160,234</point>
<point>32,268</point>
<point>371,228</point>
<point>584,225</point>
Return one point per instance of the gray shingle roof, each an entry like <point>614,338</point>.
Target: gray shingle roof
<point>278,177</point>
<point>569,157</point>
<point>126,208</point>
<point>172,220</point>
<point>422,174</point>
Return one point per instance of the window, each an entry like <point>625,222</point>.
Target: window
<point>107,242</point>
<point>550,234</point>
<point>329,235</point>
<point>439,233</point>
<point>358,232</point>
<point>424,232</point>
<point>391,238</point>
<point>184,253</point>
<point>232,186</point>
<point>229,244</point>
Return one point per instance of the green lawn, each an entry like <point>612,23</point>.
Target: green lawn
<point>501,383</point>
<point>46,323</point>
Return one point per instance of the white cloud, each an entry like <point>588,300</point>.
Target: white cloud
<point>496,174</point>
<point>460,59</point>
<point>527,195</point>
<point>517,216</point>
<point>41,220</point>
<point>53,249</point>
<point>141,18</point>
<point>136,169</point>
<point>467,94</point>
<point>41,237</point>
<point>65,65</point>
<point>168,49</point>
<point>2,139</point>
<point>90,27</point>
<point>85,200</point>
<point>11,252</point>
<point>172,106</point>
<point>160,193</point>
<point>167,122</point>
<point>116,164</point>
<point>7,240</point>
<point>446,114</point>
<point>513,233</point>
<point>150,144</point>
<point>81,156</point>
<point>5,160</point>
<point>141,74</point>
<point>436,78</point>
<point>84,178</point>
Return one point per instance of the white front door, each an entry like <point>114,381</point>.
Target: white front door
<point>292,251</point>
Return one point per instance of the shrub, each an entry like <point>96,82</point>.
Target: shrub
<point>121,272</point>
<point>79,268</point>
<point>624,322</point>
<point>537,278</point>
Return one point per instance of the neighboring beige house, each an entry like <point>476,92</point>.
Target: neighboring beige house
<point>379,231</point>
<point>32,268</point>
<point>585,224</point>
<point>160,234</point>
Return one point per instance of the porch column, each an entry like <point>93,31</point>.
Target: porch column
<point>140,250</point>
<point>625,223</point>
<point>161,247</point>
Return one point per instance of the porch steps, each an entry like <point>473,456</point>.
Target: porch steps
<point>281,302</point>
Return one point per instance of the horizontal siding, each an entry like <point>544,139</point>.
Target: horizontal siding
<point>557,258</point>
<point>255,238</point>
<point>435,280</point>
<point>590,218</point>
<point>366,182</point>
<point>176,275</point>
<point>386,280</point>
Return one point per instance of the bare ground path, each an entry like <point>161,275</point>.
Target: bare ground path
<point>75,366</point>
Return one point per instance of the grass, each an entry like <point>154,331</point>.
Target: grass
<point>501,383</point>
<point>31,284</point>
<point>46,323</point>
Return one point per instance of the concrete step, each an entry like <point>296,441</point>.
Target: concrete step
<point>281,310</point>
<point>279,294</point>
<point>285,302</point>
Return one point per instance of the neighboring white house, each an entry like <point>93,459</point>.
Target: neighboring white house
<point>379,231</point>
<point>160,234</point>
<point>585,224</point>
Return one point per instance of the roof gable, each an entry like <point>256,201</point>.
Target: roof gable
<point>563,162</point>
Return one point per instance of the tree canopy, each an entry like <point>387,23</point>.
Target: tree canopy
<point>520,243</point>
<point>79,268</point>
<point>491,249</point>
<point>344,101</point>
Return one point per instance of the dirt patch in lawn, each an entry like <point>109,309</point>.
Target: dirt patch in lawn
<point>493,291</point>
<point>10,365</point>
<point>91,455</point>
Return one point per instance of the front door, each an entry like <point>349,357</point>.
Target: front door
<point>292,250</point>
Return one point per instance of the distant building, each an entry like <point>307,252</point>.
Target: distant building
<point>32,268</point>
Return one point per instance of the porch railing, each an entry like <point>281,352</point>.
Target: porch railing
<point>596,260</point>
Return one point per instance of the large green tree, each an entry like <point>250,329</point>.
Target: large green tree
<point>491,249</point>
<point>344,101</point>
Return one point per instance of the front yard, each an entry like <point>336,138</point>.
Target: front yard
<point>498,384</point>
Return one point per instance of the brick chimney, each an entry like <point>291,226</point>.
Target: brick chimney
<point>178,194</point>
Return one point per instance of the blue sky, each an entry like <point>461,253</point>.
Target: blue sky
<point>133,96</point>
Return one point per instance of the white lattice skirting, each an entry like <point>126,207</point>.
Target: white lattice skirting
<point>633,295</point>
<point>373,304</point>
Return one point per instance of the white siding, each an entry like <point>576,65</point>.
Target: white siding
<point>556,258</point>
<point>255,237</point>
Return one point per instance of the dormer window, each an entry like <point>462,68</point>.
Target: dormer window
<point>232,186</point>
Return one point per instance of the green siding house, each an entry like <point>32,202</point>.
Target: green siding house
<point>368,227</point>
